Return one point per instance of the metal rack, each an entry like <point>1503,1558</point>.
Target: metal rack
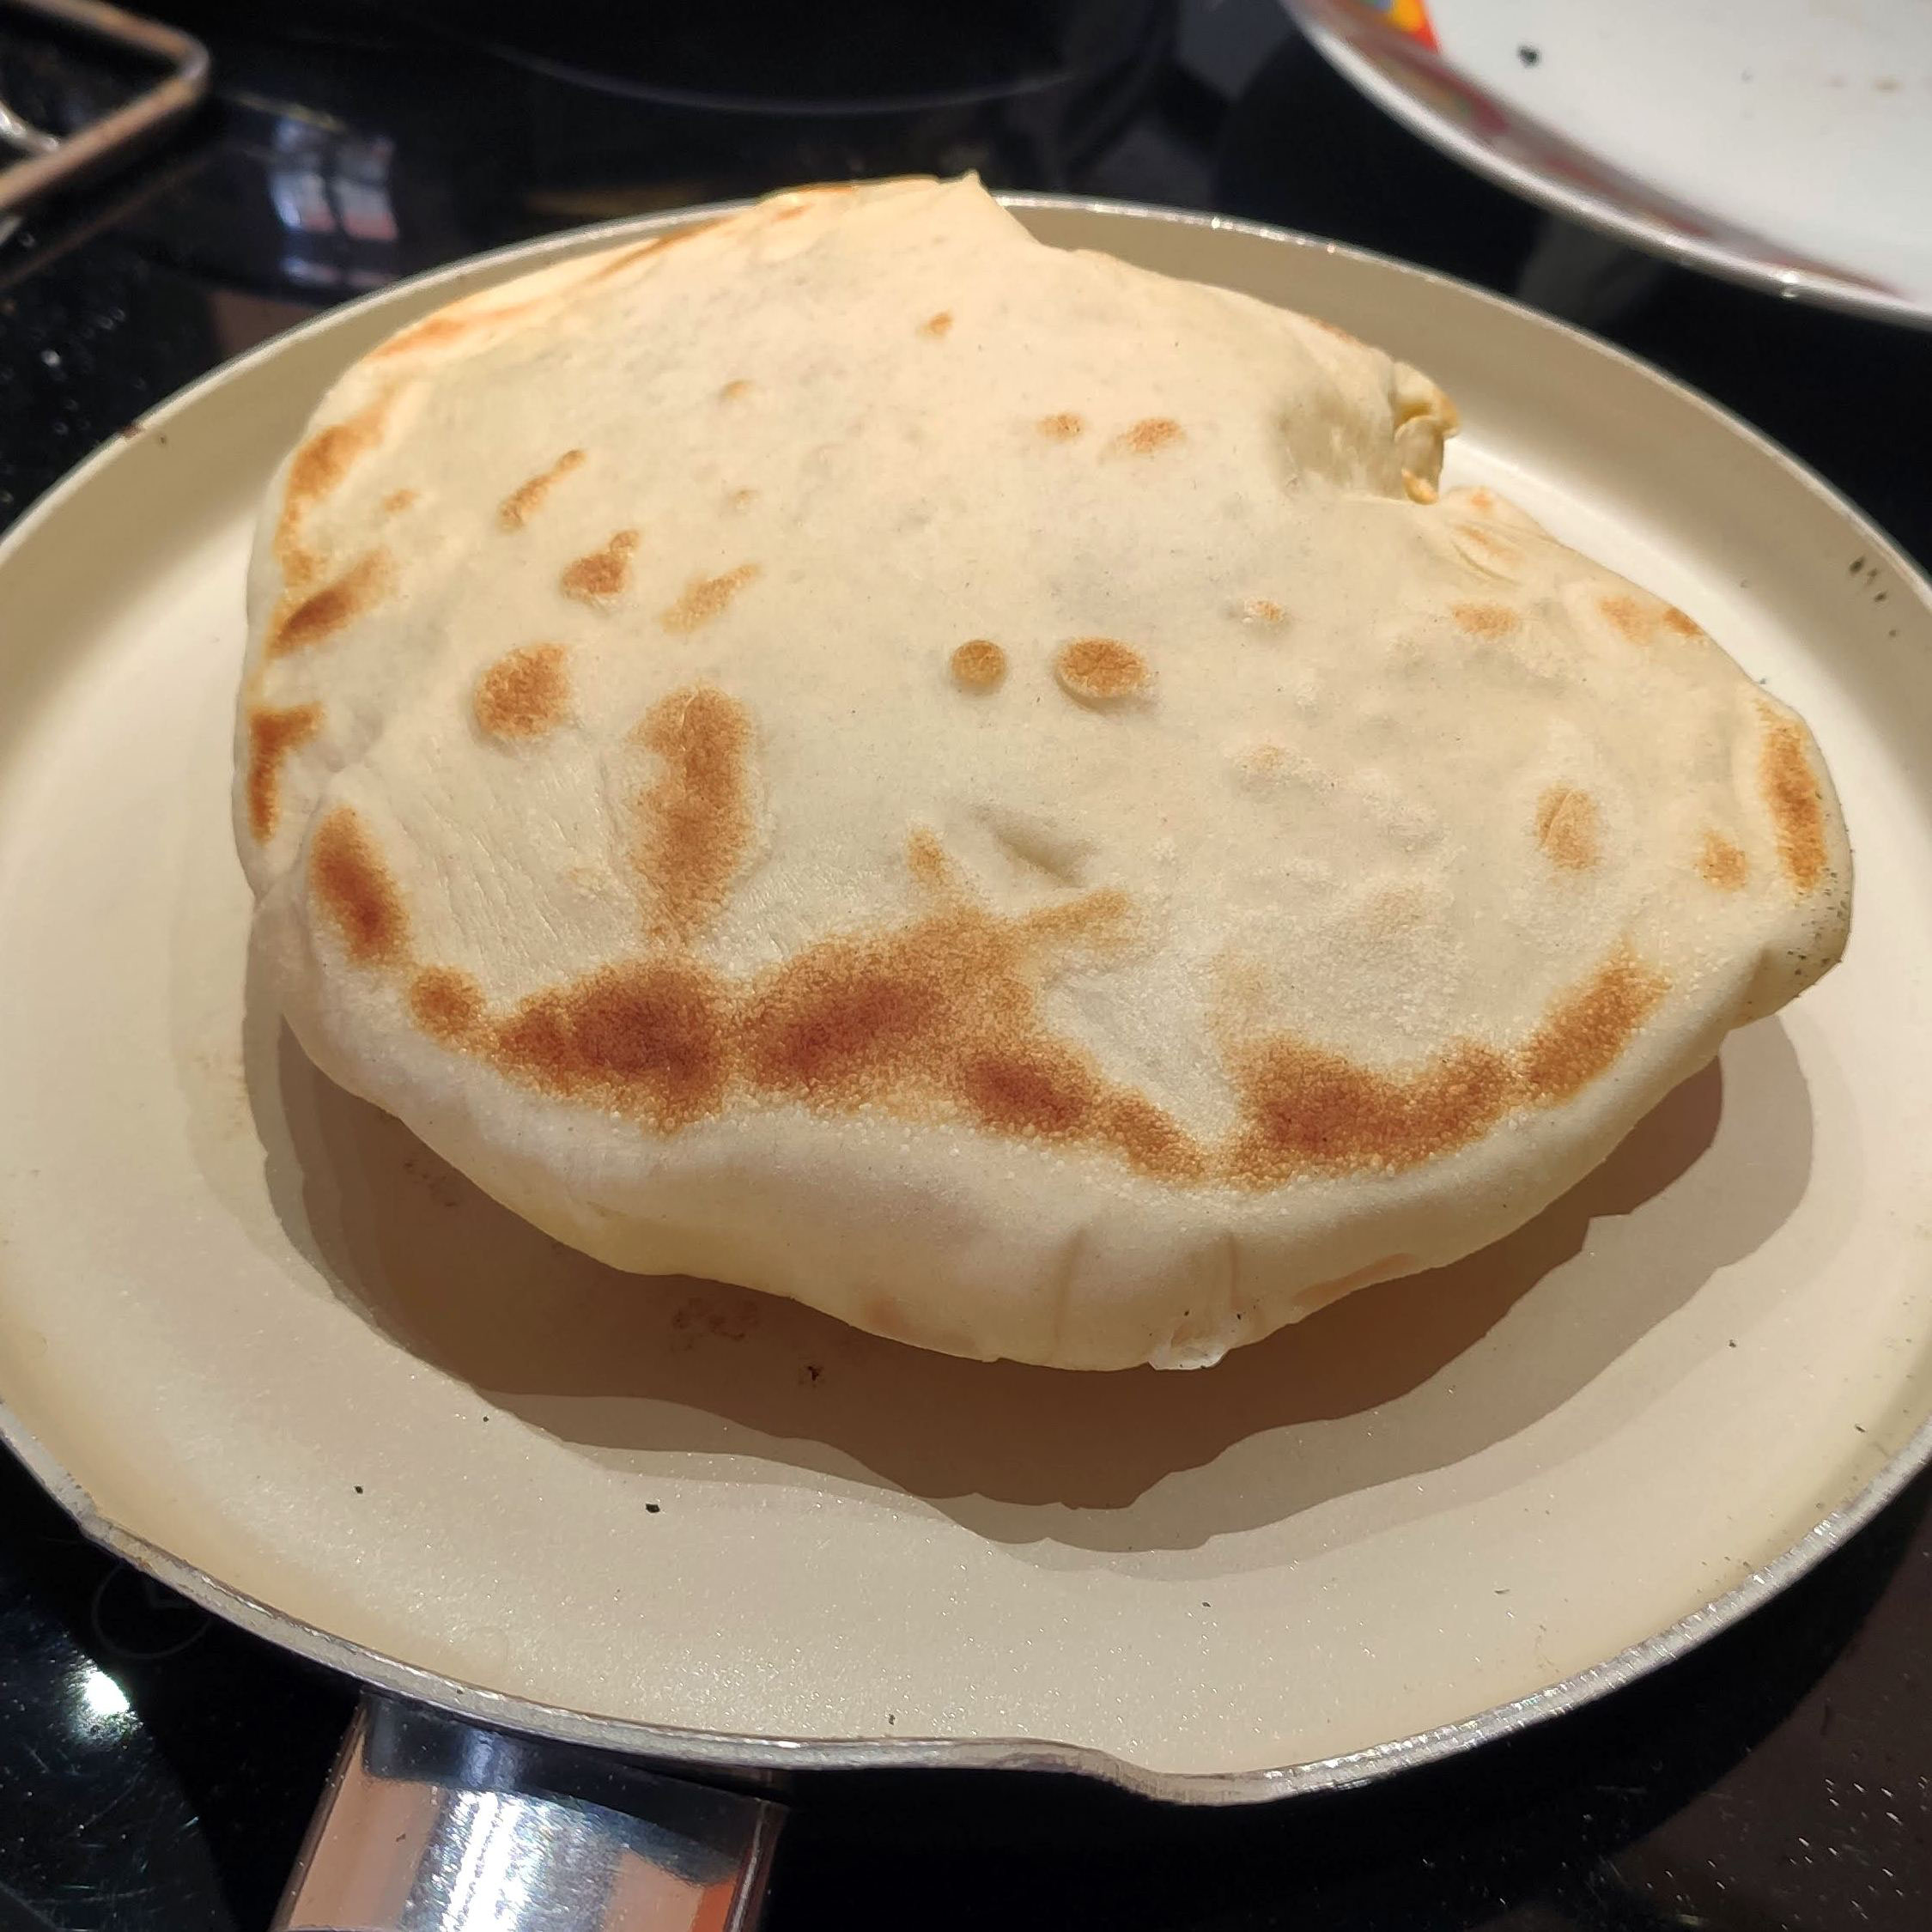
<point>49,161</point>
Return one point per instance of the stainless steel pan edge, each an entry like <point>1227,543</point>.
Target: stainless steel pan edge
<point>763,1762</point>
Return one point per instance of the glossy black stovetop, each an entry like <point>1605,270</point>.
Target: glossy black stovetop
<point>157,1768</point>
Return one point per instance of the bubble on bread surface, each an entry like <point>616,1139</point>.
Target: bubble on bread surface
<point>978,665</point>
<point>1101,672</point>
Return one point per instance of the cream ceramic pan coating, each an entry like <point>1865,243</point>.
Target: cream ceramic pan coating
<point>256,1339</point>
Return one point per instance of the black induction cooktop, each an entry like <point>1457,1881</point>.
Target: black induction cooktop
<point>157,1768</point>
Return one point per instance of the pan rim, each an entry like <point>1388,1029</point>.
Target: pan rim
<point>755,1759</point>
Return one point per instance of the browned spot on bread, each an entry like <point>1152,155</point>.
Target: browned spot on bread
<point>704,599</point>
<point>1628,616</point>
<point>941,1018</point>
<point>1585,1032</point>
<point>1060,428</point>
<point>1263,611</point>
<point>1419,490</point>
<point>1101,670</point>
<point>1151,433</point>
<point>624,258</point>
<point>945,1013</point>
<point>1792,796</point>
<point>855,1019</point>
<point>1489,621</point>
<point>316,471</point>
<point>1570,828</point>
<point>1313,1111</point>
<point>272,735</point>
<point>447,326</point>
<point>301,621</point>
<point>525,693</point>
<point>1481,500</point>
<point>937,325</point>
<point>1040,1087</point>
<point>349,881</point>
<point>979,665</point>
<point>1723,864</point>
<point>602,574</point>
<point>1096,921</point>
<point>737,499</point>
<point>650,1039</point>
<point>926,859</point>
<point>1134,1126</point>
<point>656,246</point>
<point>690,232</point>
<point>1309,1110</point>
<point>398,501</point>
<point>447,1005</point>
<point>739,386</point>
<point>695,819</point>
<point>319,466</point>
<point>523,503</point>
<point>1678,621</point>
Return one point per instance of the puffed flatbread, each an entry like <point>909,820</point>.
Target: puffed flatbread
<point>851,752</point>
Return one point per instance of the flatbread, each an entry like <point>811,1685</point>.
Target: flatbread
<point>851,752</point>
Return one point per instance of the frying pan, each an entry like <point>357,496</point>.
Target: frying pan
<point>261,1343</point>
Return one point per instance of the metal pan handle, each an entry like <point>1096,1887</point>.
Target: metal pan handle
<point>431,1825</point>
